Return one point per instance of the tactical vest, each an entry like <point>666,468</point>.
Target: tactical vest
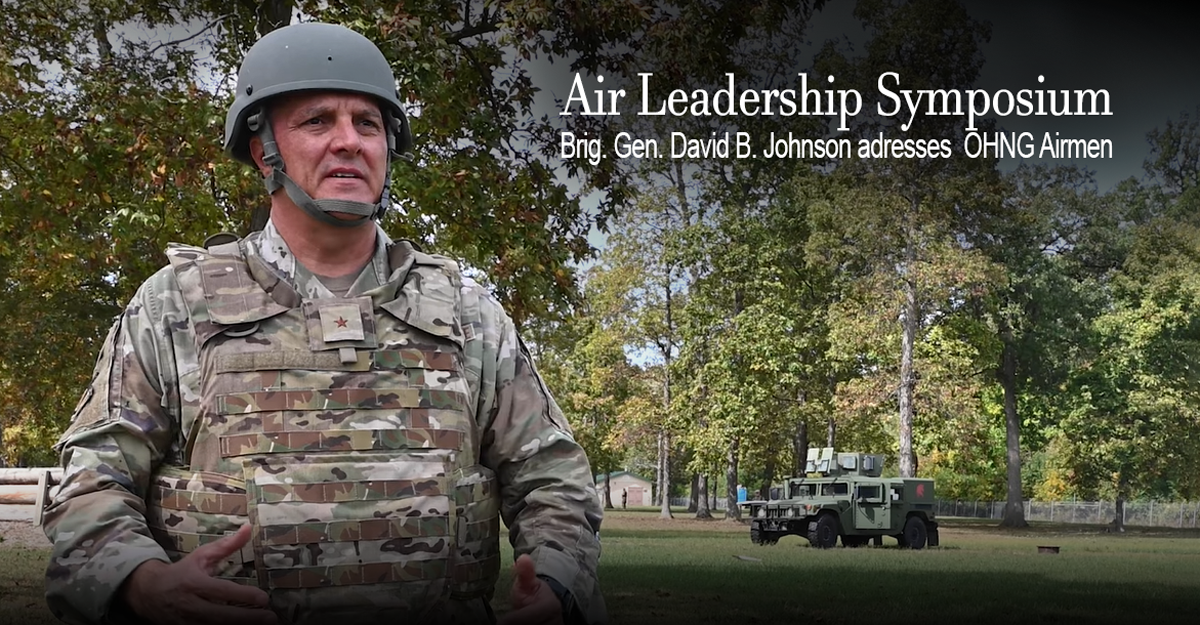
<point>343,431</point>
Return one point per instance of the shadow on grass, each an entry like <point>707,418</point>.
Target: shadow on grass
<point>749,592</point>
<point>1071,529</point>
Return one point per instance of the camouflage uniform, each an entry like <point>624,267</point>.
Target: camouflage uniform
<point>171,447</point>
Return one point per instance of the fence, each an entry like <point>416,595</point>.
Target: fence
<point>1143,513</point>
<point>23,492</point>
<point>1137,513</point>
<point>683,502</point>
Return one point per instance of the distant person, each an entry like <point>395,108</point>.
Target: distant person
<point>317,424</point>
<point>624,498</point>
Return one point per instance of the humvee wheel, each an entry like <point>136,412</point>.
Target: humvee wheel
<point>915,533</point>
<point>823,532</point>
<point>855,541</point>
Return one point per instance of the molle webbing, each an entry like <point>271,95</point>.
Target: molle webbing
<point>296,441</point>
<point>380,360</point>
<point>190,509</point>
<point>371,529</point>
<point>338,399</point>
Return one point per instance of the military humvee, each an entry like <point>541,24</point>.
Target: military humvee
<point>844,496</point>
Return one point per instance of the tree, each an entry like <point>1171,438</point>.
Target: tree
<point>119,151</point>
<point>1041,237</point>
<point>894,222</point>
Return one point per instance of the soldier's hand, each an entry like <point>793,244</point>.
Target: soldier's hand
<point>533,601</point>
<point>186,592</point>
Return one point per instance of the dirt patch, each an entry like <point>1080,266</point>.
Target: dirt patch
<point>22,534</point>
<point>683,521</point>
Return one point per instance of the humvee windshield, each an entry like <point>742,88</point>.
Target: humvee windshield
<point>801,491</point>
<point>837,488</point>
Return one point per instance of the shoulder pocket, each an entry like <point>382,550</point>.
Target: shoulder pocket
<point>94,406</point>
<point>429,301</point>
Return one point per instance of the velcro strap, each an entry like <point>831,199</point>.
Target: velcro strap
<point>470,493</point>
<point>201,501</point>
<point>340,531</point>
<point>233,445</point>
<point>412,358</point>
<point>339,399</point>
<point>480,530</point>
<point>187,542</point>
<point>350,574</point>
<point>338,492</point>
<point>288,359</point>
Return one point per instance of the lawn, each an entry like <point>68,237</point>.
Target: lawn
<point>686,571</point>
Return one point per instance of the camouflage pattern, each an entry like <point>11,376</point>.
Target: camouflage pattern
<point>372,441</point>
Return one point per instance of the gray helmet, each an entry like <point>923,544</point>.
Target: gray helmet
<point>308,57</point>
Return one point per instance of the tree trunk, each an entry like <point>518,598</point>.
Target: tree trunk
<point>1118,522</point>
<point>608,490</point>
<point>712,493</point>
<point>273,14</point>
<point>664,475</point>
<point>694,497</point>
<point>831,433</point>
<point>732,512</point>
<point>664,440</point>
<point>769,477</point>
<point>908,379</point>
<point>1014,511</point>
<point>702,509</point>
<point>800,442</point>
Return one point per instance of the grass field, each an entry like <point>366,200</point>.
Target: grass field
<point>685,571</point>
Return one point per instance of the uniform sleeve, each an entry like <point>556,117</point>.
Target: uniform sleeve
<point>119,431</point>
<point>549,499</point>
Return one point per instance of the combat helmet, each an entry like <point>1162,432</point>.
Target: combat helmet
<point>313,56</point>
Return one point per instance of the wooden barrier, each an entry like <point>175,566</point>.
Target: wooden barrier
<point>26,491</point>
<point>27,476</point>
<point>19,494</point>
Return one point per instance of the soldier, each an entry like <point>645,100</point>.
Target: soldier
<point>316,423</point>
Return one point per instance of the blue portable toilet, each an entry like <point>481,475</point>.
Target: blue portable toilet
<point>741,493</point>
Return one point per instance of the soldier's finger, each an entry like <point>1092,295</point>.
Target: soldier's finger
<point>525,579</point>
<point>208,556</point>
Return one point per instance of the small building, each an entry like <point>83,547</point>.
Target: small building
<point>639,490</point>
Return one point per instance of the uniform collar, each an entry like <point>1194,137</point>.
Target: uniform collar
<point>273,250</point>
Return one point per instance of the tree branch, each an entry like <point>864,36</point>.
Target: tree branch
<point>191,37</point>
<point>487,24</point>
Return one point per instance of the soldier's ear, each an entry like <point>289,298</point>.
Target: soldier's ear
<point>256,153</point>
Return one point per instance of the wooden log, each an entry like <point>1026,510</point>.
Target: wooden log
<point>26,475</point>
<point>19,494</point>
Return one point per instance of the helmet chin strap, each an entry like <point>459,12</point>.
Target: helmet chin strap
<point>317,209</point>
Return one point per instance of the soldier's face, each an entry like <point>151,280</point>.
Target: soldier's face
<point>333,144</point>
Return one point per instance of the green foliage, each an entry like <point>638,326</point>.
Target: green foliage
<point>111,138</point>
<point>740,306</point>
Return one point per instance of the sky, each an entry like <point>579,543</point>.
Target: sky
<point>1146,55</point>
